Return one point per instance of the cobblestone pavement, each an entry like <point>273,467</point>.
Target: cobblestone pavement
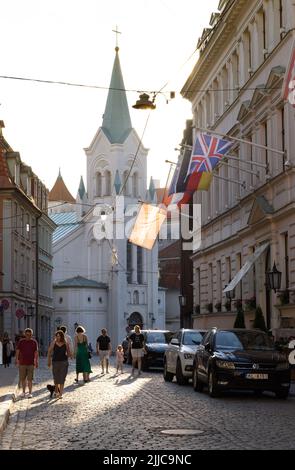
<point>129,413</point>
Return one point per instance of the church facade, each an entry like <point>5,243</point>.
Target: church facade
<point>100,279</point>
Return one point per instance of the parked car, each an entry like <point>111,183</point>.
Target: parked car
<point>240,359</point>
<point>179,356</point>
<point>156,343</point>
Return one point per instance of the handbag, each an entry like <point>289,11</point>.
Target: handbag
<point>89,355</point>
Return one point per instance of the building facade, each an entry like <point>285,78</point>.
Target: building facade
<point>100,278</point>
<point>236,88</point>
<point>25,248</point>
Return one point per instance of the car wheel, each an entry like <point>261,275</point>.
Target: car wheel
<point>212,386</point>
<point>282,394</point>
<point>180,379</point>
<point>197,384</point>
<point>168,377</point>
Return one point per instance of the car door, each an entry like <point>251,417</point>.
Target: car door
<point>174,352</point>
<point>203,355</point>
<point>169,354</point>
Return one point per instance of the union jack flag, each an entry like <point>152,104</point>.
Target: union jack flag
<point>207,153</point>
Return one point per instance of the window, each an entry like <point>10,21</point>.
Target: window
<point>286,252</point>
<point>139,265</point>
<point>98,185</point>
<point>129,263</point>
<point>265,141</point>
<point>136,297</point>
<point>135,185</point>
<point>126,186</point>
<point>108,189</point>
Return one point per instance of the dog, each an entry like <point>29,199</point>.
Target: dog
<point>51,389</point>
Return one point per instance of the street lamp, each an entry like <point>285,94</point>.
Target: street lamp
<point>144,102</point>
<point>274,278</point>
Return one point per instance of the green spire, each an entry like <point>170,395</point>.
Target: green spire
<point>116,119</point>
<point>117,182</point>
<point>81,189</point>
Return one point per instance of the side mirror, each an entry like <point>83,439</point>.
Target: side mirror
<point>207,347</point>
<point>175,342</point>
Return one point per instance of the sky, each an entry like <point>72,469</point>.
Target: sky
<point>73,41</point>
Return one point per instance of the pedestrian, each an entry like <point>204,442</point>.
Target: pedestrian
<point>119,358</point>
<point>104,349</point>
<point>8,349</point>
<point>81,353</point>
<point>58,355</point>
<point>136,344</point>
<point>67,338</point>
<point>27,360</point>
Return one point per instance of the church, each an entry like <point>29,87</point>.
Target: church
<point>105,281</point>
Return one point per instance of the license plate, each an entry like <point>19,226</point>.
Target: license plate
<point>257,376</point>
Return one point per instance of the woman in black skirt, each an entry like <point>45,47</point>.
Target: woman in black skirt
<point>58,354</point>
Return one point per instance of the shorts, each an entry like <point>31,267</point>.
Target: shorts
<point>136,353</point>
<point>26,372</point>
<point>103,354</point>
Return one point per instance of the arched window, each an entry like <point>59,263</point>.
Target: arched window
<point>98,185</point>
<point>135,319</point>
<point>135,184</point>
<point>126,191</point>
<point>108,189</point>
<point>136,297</point>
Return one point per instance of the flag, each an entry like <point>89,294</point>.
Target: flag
<point>207,153</point>
<point>147,226</point>
<point>289,81</point>
<point>177,192</point>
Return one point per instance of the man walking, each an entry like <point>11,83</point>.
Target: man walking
<point>103,348</point>
<point>27,359</point>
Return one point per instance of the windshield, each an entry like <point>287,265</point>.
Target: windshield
<point>157,337</point>
<point>244,340</point>
<point>192,338</point>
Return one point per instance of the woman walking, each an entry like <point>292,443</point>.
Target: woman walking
<point>136,344</point>
<point>58,354</point>
<point>81,353</point>
<point>7,350</point>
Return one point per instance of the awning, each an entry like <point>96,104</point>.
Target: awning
<point>246,267</point>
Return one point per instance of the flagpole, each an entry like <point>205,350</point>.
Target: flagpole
<point>248,162</point>
<point>242,141</point>
<point>250,172</point>
<point>240,183</point>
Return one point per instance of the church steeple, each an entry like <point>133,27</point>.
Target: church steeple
<point>116,119</point>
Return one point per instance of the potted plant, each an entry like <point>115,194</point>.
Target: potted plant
<point>197,309</point>
<point>284,297</point>
<point>250,304</point>
<point>218,306</point>
<point>228,305</point>
<point>209,307</point>
<point>240,319</point>
<point>259,321</point>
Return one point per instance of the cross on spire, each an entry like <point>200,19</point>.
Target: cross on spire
<point>117,32</point>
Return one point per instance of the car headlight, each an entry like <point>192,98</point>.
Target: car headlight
<point>225,365</point>
<point>188,356</point>
<point>282,366</point>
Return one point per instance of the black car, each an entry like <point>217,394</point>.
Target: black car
<point>240,359</point>
<point>156,343</point>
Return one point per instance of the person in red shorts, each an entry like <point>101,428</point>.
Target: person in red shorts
<point>27,359</point>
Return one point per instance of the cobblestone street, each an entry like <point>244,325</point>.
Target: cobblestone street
<point>129,413</point>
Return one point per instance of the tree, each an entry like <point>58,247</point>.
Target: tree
<point>259,322</point>
<point>240,320</point>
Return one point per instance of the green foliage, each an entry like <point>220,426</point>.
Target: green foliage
<point>259,322</point>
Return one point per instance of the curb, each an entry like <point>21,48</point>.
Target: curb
<point>5,405</point>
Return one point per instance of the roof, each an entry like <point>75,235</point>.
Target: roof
<point>116,119</point>
<point>60,192</point>
<point>80,281</point>
<point>66,222</point>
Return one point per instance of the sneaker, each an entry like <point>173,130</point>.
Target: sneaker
<point>107,371</point>
<point>22,395</point>
<point>30,395</point>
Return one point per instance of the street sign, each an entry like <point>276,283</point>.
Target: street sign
<point>20,313</point>
<point>5,304</point>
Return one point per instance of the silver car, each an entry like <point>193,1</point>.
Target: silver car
<point>179,356</point>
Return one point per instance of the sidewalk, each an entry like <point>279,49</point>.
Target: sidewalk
<point>8,384</point>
